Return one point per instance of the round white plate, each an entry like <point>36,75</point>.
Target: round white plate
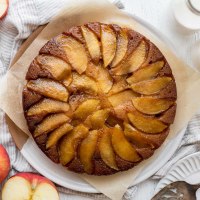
<point>70,180</point>
<point>186,169</point>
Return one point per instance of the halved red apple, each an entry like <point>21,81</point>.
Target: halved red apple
<point>29,186</point>
<point>3,8</point>
<point>4,163</point>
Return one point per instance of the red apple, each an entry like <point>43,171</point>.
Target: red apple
<point>3,8</point>
<point>4,163</point>
<point>29,186</point>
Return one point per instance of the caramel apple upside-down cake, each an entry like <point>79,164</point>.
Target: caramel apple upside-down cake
<point>99,98</point>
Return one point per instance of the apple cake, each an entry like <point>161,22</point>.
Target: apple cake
<point>99,98</point>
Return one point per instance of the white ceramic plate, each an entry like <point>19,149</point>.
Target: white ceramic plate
<point>187,169</point>
<point>71,180</point>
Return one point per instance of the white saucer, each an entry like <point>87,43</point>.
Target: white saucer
<point>185,16</point>
<point>187,169</point>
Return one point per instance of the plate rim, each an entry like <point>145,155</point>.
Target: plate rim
<point>176,165</point>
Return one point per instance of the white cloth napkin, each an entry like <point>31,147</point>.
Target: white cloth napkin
<point>24,16</point>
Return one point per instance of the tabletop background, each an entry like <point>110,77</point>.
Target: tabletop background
<point>159,13</point>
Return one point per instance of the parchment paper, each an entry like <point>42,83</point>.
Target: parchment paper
<point>76,13</point>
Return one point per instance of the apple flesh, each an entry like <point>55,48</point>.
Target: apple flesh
<point>3,8</point>
<point>4,163</point>
<point>29,186</point>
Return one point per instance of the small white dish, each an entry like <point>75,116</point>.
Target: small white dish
<point>186,14</point>
<point>187,169</point>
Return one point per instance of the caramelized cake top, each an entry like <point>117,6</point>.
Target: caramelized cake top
<point>99,98</point>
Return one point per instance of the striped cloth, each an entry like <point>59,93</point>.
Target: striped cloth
<point>23,18</point>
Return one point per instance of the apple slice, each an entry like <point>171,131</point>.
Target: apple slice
<point>109,44</point>
<point>50,123</point>
<point>169,115</point>
<point>136,137</point>
<point>4,163</point>
<point>122,110</point>
<point>49,88</point>
<point>143,140</point>
<point>87,150</point>
<point>55,136</point>
<point>95,28</point>
<point>101,75</point>
<point>121,97</point>
<point>76,99</point>
<point>3,8</point>
<point>86,108</point>
<point>122,45</point>
<point>119,85</point>
<point>97,119</point>
<point>92,44</point>
<point>69,144</point>
<point>133,62</point>
<point>104,79</point>
<point>106,150</point>
<point>83,83</point>
<point>151,105</point>
<point>75,32</point>
<point>67,80</point>
<point>150,87</point>
<point>122,147</point>
<point>75,52</point>
<point>29,186</point>
<point>46,106</point>
<point>57,67</point>
<point>146,123</point>
<point>146,73</point>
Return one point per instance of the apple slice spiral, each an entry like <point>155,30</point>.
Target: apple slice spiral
<point>99,98</point>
